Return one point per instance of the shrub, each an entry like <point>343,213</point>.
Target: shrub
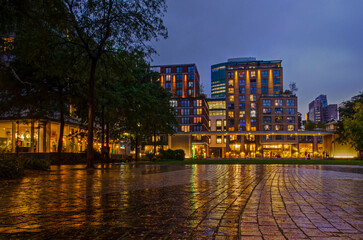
<point>150,156</point>
<point>179,154</point>
<point>172,154</point>
<point>36,164</point>
<point>11,167</point>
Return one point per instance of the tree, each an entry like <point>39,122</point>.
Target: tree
<point>310,126</point>
<point>350,127</point>
<point>94,29</point>
<point>293,88</point>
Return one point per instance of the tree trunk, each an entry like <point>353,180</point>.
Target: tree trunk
<point>154,142</point>
<point>61,129</point>
<point>60,141</point>
<point>107,142</point>
<point>136,148</point>
<point>32,136</point>
<point>91,90</point>
<point>103,135</point>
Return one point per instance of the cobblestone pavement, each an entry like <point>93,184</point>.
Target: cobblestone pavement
<point>185,202</point>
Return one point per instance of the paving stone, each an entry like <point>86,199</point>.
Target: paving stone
<point>183,202</point>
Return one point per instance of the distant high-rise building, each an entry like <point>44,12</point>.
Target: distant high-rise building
<point>320,111</point>
<point>270,75</point>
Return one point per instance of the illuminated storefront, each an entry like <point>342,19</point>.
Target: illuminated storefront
<point>41,136</point>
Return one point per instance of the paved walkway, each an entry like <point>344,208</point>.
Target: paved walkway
<point>185,202</point>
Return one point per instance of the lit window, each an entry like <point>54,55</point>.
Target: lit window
<point>190,84</point>
<point>197,103</point>
<point>219,139</point>
<point>253,74</point>
<point>278,127</point>
<point>279,119</point>
<point>231,98</point>
<point>253,98</point>
<point>173,103</point>
<point>230,83</point>
<point>290,127</point>
<point>253,105</point>
<point>197,111</point>
<point>242,114</point>
<point>253,129</point>
<point>219,123</point>
<point>278,102</point>
<point>253,113</point>
<point>197,119</point>
<point>168,77</point>
<point>230,90</point>
<point>266,110</point>
<point>242,74</point>
<point>185,128</point>
<point>190,92</point>
<point>267,127</point>
<point>230,114</point>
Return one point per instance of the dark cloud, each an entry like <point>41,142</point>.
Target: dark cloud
<point>319,41</point>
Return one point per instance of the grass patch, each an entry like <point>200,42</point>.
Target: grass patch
<point>264,161</point>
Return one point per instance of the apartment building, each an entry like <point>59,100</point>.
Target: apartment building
<point>278,113</point>
<point>183,82</point>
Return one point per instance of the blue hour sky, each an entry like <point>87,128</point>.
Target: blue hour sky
<point>320,42</point>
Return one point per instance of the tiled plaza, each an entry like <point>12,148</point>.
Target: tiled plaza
<point>185,202</point>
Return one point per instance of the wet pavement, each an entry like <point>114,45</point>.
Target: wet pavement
<point>185,202</point>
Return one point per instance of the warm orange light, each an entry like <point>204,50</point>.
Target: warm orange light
<point>174,85</point>
<point>162,81</point>
<point>185,92</point>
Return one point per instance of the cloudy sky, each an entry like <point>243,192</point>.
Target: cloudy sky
<point>320,42</point>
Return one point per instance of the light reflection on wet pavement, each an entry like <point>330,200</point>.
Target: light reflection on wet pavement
<point>185,202</point>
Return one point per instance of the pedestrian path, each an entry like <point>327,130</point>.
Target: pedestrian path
<point>185,202</point>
